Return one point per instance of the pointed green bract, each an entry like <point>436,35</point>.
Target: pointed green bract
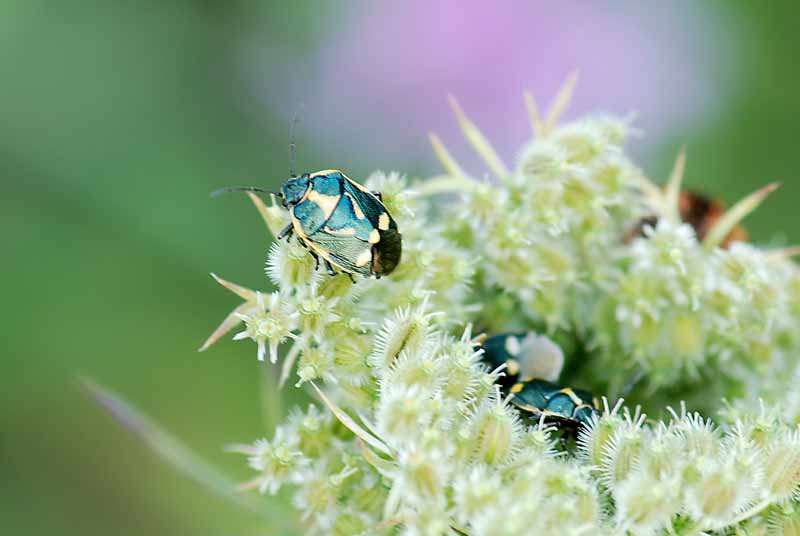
<point>167,447</point>
<point>534,116</point>
<point>672,190</point>
<point>351,425</point>
<point>561,101</point>
<point>448,162</point>
<point>274,216</point>
<point>735,214</point>
<point>478,141</point>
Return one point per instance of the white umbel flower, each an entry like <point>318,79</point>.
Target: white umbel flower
<point>408,330</point>
<point>279,461</point>
<point>269,325</point>
<point>782,466</point>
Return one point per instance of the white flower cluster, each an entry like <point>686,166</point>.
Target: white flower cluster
<point>688,474</point>
<point>547,233</point>
<point>716,318</point>
<point>578,242</point>
<point>416,437</point>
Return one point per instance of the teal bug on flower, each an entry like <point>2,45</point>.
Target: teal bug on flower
<point>341,222</point>
<point>564,406</point>
<point>525,356</point>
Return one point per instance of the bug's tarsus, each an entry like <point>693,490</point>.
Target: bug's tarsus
<point>292,144</point>
<point>286,232</point>
<point>329,268</point>
<point>229,189</point>
<point>352,279</point>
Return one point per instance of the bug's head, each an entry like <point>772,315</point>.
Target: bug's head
<point>293,190</point>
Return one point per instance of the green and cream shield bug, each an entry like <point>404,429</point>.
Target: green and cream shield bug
<point>340,222</point>
<point>566,407</point>
<point>521,355</point>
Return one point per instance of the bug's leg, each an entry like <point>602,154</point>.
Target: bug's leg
<point>378,195</point>
<point>352,279</point>
<point>329,267</point>
<point>286,232</point>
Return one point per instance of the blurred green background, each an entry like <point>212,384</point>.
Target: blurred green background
<point>118,118</point>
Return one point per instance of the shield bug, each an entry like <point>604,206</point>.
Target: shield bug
<point>342,222</point>
<point>525,354</point>
<point>565,407</point>
<point>338,220</point>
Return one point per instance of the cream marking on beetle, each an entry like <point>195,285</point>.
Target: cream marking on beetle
<point>374,236</point>
<point>512,346</point>
<point>324,172</point>
<point>572,396</point>
<point>512,367</point>
<point>298,228</point>
<point>346,231</point>
<point>527,379</point>
<point>517,387</point>
<point>364,258</point>
<point>356,209</point>
<point>327,203</point>
<point>383,222</point>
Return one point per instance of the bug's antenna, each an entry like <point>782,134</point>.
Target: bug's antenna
<point>229,189</point>
<point>292,144</point>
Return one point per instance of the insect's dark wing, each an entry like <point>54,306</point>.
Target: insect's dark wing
<point>345,252</point>
<point>534,393</point>
<point>561,404</point>
<point>369,204</point>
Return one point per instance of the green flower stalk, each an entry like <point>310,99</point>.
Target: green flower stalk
<point>572,244</point>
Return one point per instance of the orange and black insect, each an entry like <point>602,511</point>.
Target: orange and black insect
<point>699,211</point>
